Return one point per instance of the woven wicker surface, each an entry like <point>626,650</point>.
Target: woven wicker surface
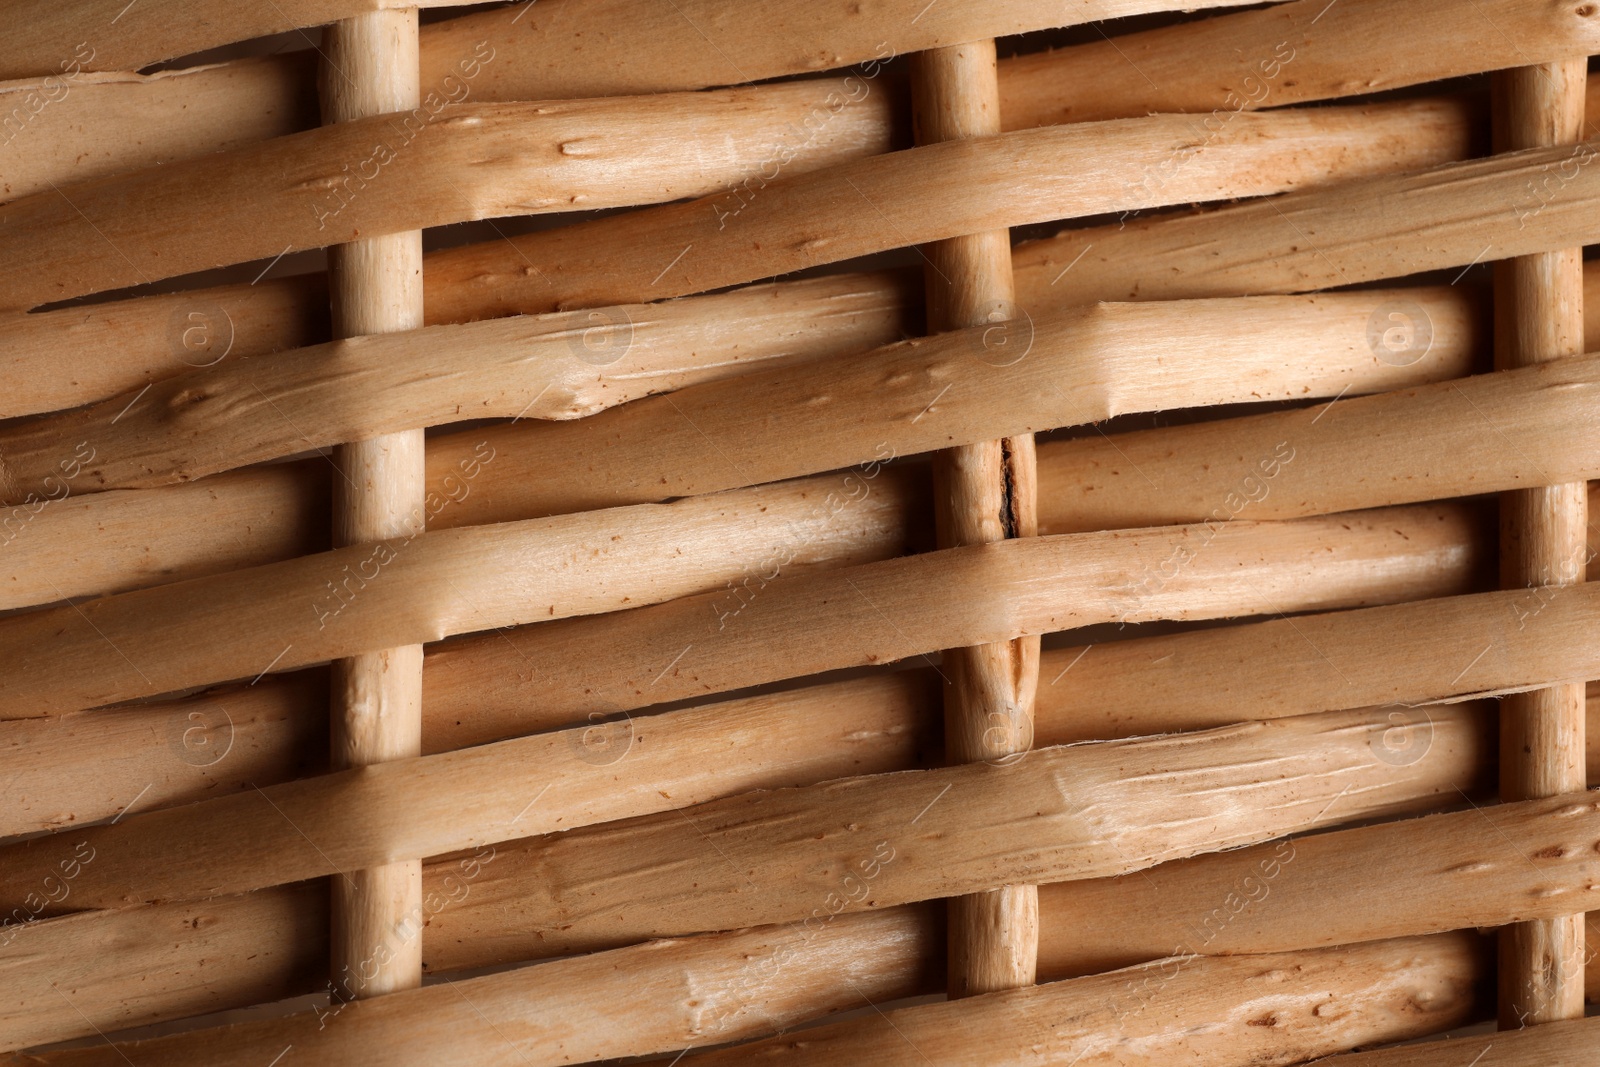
<point>805,532</point>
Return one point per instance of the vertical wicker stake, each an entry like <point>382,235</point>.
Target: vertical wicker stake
<point>1539,316</point>
<point>376,710</point>
<point>985,492</point>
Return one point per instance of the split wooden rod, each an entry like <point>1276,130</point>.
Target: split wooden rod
<point>1539,317</point>
<point>371,68</point>
<point>985,491</point>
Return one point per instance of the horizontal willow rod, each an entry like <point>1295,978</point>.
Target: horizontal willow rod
<point>928,193</point>
<point>1078,366</point>
<point>1325,1001</point>
<point>1480,867</point>
<point>123,345</point>
<point>473,160</point>
<point>1294,52</point>
<point>1089,364</point>
<point>1234,786</point>
<point>1455,215</point>
<point>126,540</point>
<point>566,48</point>
<point>1486,644</point>
<point>316,608</point>
<point>721,641</point>
<point>440,803</point>
<point>1533,1046</point>
<point>558,366</point>
<point>450,160</point>
<point>1431,442</point>
<point>484,689</point>
<point>1276,1009</point>
<point>90,125</point>
<point>107,123</point>
<point>1081,811</point>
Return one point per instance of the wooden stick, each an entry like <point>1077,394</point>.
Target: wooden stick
<point>261,507</point>
<point>1562,1043</point>
<point>1080,366</point>
<point>583,49</point>
<point>984,492</point>
<point>1423,985</point>
<point>1233,786</point>
<point>558,366</point>
<point>447,160</point>
<point>551,1014</point>
<point>1431,442</point>
<point>483,689</point>
<point>459,581</point>
<point>1539,317</point>
<point>1460,214</point>
<point>1481,867</point>
<point>379,489</point>
<point>1288,53</point>
<point>1117,805</point>
<point>921,195</point>
<point>80,126</point>
<point>1266,1010</point>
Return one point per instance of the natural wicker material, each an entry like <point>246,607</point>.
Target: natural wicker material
<point>638,625</point>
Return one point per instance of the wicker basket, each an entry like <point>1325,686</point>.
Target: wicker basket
<point>603,720</point>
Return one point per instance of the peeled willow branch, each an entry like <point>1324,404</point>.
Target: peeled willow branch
<point>569,48</point>
<point>316,608</point>
<point>480,160</point>
<point>1002,825</point>
<point>486,688</point>
<point>1316,1002</point>
<point>1021,376</point>
<point>1081,366</point>
<point>1288,53</point>
<point>919,195</point>
<point>1276,1009</point>
<point>1431,442</point>
<point>1455,215</point>
<point>1482,867</point>
<point>559,366</point>
<point>448,161</point>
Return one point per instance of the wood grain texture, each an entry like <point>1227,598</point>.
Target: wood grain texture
<point>1568,1042</point>
<point>481,578</point>
<point>564,365</point>
<point>719,988</point>
<point>450,159</point>
<point>1431,442</point>
<point>379,491</point>
<point>1275,1009</point>
<point>1415,987</point>
<point>984,492</point>
<point>1076,812</point>
<point>111,542</point>
<point>1543,533</point>
<point>491,687</point>
<point>1477,867</point>
<point>125,344</point>
<point>1455,215</point>
<point>1079,366</point>
<point>933,192</point>
<point>1287,53</point>
<point>574,49</point>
